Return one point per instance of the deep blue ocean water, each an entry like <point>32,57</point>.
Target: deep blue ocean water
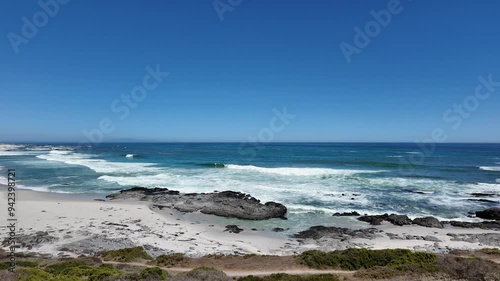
<point>314,180</point>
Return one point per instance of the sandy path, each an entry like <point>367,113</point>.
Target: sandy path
<point>239,273</point>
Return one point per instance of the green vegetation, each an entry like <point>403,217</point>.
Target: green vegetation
<point>355,259</point>
<point>490,251</point>
<point>203,274</point>
<point>70,270</point>
<point>155,273</point>
<point>287,277</point>
<point>169,260</point>
<point>6,265</point>
<point>126,255</point>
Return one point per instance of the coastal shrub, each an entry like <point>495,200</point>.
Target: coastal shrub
<point>169,260</point>
<point>27,263</point>
<point>287,277</point>
<point>77,268</point>
<point>62,267</point>
<point>355,259</point>
<point>490,251</point>
<point>472,269</point>
<point>4,265</point>
<point>153,273</point>
<point>33,274</point>
<point>126,255</point>
<point>202,274</point>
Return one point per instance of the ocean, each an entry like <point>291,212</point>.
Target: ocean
<point>314,180</point>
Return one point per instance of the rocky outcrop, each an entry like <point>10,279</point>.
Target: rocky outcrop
<point>347,214</point>
<point>489,214</point>
<point>233,229</point>
<point>321,232</point>
<point>428,222</point>
<point>393,218</point>
<point>488,225</point>
<point>225,204</point>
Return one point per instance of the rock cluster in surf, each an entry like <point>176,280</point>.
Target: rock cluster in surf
<point>225,204</point>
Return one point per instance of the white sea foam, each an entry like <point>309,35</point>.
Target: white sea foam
<point>130,155</point>
<point>413,152</point>
<point>98,165</point>
<point>395,156</point>
<point>299,171</point>
<point>18,153</point>
<point>494,168</point>
<point>4,147</point>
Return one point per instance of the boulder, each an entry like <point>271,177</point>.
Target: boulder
<point>489,214</point>
<point>393,218</point>
<point>225,204</point>
<point>332,232</point>
<point>399,220</point>
<point>428,222</point>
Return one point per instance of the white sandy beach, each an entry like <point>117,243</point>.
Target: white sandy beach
<point>119,224</point>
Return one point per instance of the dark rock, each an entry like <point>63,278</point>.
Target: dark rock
<point>483,194</point>
<point>115,224</point>
<point>278,229</point>
<point>399,220</point>
<point>393,218</point>
<point>482,200</point>
<point>233,229</point>
<point>428,222</point>
<point>29,241</point>
<point>374,220</point>
<point>225,204</point>
<point>320,232</point>
<point>347,214</point>
<point>488,225</point>
<point>489,214</point>
<point>100,200</point>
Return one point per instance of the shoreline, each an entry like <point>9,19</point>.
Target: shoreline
<point>69,225</point>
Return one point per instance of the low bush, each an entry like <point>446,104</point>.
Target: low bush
<point>355,259</point>
<point>153,273</point>
<point>169,260</point>
<point>126,255</point>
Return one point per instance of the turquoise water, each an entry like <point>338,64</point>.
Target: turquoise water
<point>312,180</point>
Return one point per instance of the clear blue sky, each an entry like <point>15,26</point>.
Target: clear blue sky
<point>227,76</point>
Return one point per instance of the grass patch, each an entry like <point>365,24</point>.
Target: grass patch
<point>490,251</point>
<point>70,270</point>
<point>355,259</point>
<point>287,277</point>
<point>169,260</point>
<point>33,274</point>
<point>153,273</point>
<point>126,255</point>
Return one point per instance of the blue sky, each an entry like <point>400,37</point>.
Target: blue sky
<point>226,77</point>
